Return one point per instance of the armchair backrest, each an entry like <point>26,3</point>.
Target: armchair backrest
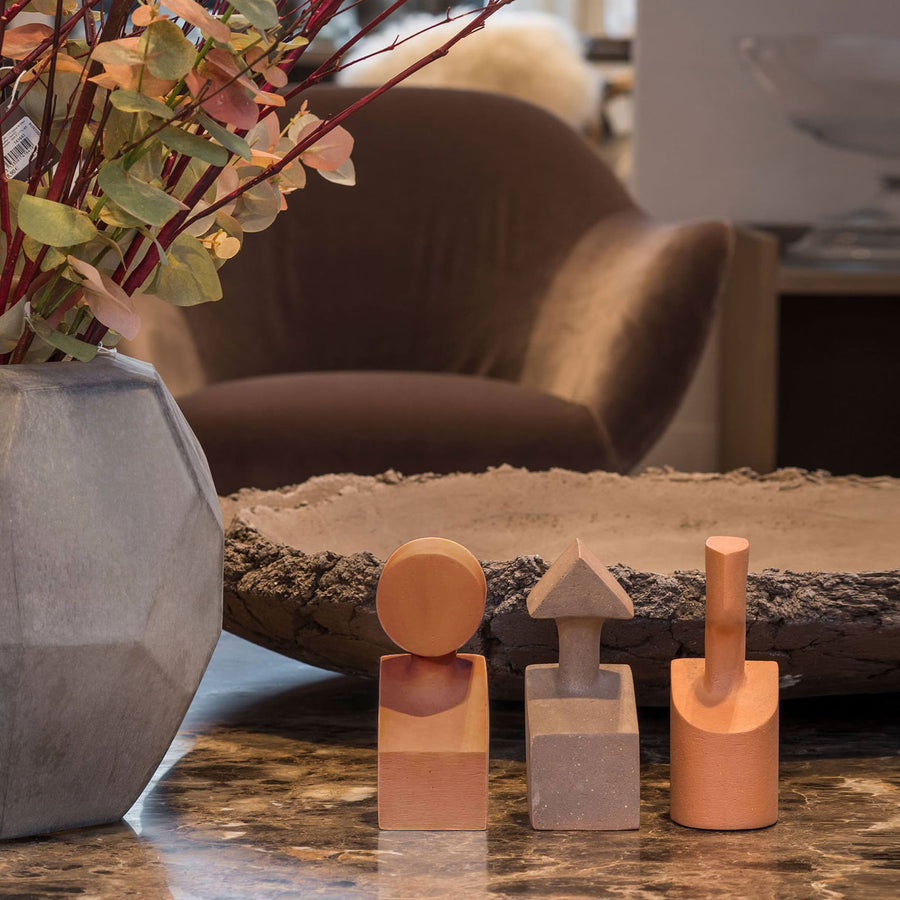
<point>465,207</point>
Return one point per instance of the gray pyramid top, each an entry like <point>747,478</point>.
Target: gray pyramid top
<point>578,584</point>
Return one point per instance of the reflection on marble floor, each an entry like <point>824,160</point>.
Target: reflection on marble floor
<point>269,792</point>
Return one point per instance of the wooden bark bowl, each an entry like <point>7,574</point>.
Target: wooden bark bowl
<point>823,599</point>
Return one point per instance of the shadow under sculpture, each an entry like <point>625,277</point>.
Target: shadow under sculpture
<point>582,743</point>
<point>433,701</point>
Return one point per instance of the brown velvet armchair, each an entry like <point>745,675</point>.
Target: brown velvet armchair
<point>487,293</point>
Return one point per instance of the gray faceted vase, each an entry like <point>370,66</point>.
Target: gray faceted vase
<point>110,587</point>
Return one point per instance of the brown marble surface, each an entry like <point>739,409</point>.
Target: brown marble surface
<point>269,791</point>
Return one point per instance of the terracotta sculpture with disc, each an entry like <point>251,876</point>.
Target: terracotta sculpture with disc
<point>724,711</point>
<point>580,719</point>
<point>433,702</point>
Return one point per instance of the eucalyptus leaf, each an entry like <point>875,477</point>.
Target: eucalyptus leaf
<point>257,208</point>
<point>86,139</point>
<point>102,250</point>
<point>343,174</point>
<point>229,225</point>
<point>16,190</point>
<point>194,145</point>
<point>163,256</point>
<point>77,47</point>
<point>133,101</point>
<point>192,174</point>
<point>12,323</point>
<point>200,226</point>
<point>191,277</point>
<point>118,53</point>
<point>44,7</point>
<point>113,215</point>
<point>151,205</point>
<point>226,138</point>
<point>38,352</point>
<point>261,13</point>
<point>31,248</point>
<point>53,223</point>
<point>149,164</point>
<point>110,244</point>
<point>117,131</point>
<point>52,258</point>
<point>68,343</point>
<point>107,300</point>
<point>169,53</point>
<point>241,40</point>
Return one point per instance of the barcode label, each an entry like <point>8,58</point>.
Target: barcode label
<point>19,144</point>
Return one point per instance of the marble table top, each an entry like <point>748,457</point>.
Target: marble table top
<point>269,792</point>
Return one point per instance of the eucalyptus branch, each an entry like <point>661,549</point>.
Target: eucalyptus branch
<point>89,166</point>
<point>10,14</point>
<point>90,30</point>
<point>40,158</point>
<point>317,19</point>
<point>53,41</point>
<point>22,92</point>
<point>115,21</point>
<point>325,68</point>
<point>13,249</point>
<point>170,231</point>
<point>111,186</point>
<point>317,134</point>
<point>397,42</point>
<point>186,110</point>
<point>64,171</point>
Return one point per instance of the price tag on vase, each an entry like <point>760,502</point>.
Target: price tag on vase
<point>20,141</point>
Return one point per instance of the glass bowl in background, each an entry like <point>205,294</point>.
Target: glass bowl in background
<point>844,91</point>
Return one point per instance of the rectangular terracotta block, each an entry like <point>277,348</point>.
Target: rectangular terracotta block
<point>724,768</point>
<point>724,711</point>
<point>583,753</point>
<point>433,770</point>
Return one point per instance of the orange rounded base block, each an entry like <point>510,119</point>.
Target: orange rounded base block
<point>724,755</point>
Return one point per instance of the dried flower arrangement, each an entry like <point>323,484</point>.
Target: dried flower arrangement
<point>141,141</point>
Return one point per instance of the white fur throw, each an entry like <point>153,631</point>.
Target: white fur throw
<point>530,55</point>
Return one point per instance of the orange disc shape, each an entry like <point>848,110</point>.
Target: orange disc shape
<point>431,596</point>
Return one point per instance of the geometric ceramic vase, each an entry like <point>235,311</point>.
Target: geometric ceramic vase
<point>110,587</point>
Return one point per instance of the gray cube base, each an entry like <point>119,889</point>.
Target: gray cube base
<point>582,753</point>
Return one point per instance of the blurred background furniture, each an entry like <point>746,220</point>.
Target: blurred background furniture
<point>838,369</point>
<point>488,293</point>
<point>764,113</point>
<point>534,56</point>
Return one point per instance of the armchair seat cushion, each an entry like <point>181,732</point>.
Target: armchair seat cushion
<point>274,430</point>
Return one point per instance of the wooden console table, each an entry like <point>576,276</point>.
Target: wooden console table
<point>780,360</point>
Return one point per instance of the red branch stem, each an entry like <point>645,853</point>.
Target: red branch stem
<point>115,20</point>
<point>317,134</point>
<point>313,14</point>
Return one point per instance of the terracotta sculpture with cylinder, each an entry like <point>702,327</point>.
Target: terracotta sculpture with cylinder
<point>724,711</point>
<point>580,719</point>
<point>433,701</point>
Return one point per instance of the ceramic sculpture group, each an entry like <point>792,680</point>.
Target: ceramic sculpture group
<point>582,745</point>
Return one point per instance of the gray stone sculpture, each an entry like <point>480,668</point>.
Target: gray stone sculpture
<point>110,601</point>
<point>581,729</point>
